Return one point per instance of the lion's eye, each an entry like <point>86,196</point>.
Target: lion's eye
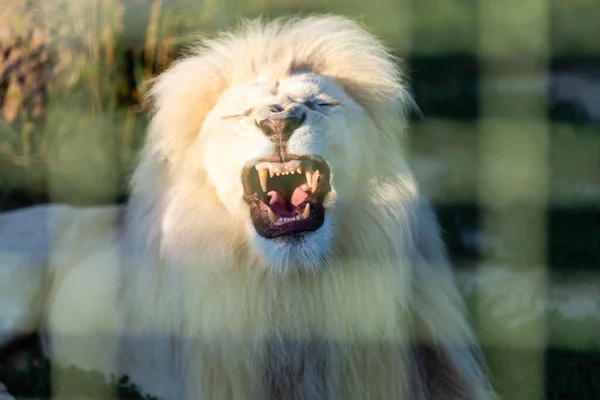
<point>312,104</point>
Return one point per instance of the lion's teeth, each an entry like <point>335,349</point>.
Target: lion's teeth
<point>262,175</point>
<point>292,165</point>
<point>271,173</point>
<point>278,173</point>
<point>315,181</point>
<point>272,216</point>
<point>309,178</point>
<point>299,170</point>
<point>306,212</point>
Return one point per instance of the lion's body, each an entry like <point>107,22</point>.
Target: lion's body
<point>184,297</point>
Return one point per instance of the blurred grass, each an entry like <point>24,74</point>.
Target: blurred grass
<point>72,107</point>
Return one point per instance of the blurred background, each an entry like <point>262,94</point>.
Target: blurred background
<point>508,148</point>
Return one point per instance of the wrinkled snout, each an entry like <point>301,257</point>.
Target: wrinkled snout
<point>277,122</point>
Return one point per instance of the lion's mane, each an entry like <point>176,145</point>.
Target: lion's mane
<point>383,320</point>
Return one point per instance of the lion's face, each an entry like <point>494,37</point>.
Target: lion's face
<point>282,155</point>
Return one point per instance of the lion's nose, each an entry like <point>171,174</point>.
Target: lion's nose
<point>282,124</point>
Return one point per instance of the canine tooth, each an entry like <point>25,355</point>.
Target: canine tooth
<point>299,170</point>
<point>309,178</point>
<point>306,212</point>
<point>272,216</point>
<point>315,181</point>
<point>262,175</point>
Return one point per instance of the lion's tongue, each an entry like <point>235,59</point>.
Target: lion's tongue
<point>281,207</point>
<point>299,195</point>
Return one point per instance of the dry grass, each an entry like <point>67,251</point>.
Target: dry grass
<point>71,73</point>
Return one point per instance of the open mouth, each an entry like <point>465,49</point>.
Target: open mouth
<point>286,198</point>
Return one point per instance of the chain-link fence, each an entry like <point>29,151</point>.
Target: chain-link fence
<point>508,149</point>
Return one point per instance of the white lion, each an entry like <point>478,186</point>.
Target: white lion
<point>275,245</point>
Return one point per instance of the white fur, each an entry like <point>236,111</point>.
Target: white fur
<point>188,300</point>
